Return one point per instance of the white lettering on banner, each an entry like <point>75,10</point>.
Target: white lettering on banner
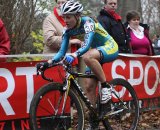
<point>5,73</point>
<point>114,66</point>
<point>29,72</point>
<point>151,91</point>
<point>144,73</point>
<point>115,75</point>
<point>132,80</point>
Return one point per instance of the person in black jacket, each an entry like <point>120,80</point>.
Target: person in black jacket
<point>111,21</point>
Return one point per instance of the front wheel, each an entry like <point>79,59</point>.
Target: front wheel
<point>125,109</point>
<point>53,109</point>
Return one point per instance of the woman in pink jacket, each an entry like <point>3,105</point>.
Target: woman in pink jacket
<point>138,34</point>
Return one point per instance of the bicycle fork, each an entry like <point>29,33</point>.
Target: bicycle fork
<point>64,92</point>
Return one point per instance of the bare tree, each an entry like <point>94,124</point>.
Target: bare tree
<point>19,18</point>
<point>125,5</point>
<point>151,14</point>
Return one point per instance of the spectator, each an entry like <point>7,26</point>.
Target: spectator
<point>156,44</point>
<point>111,21</point>
<point>52,31</point>
<point>158,41</point>
<point>155,41</point>
<point>4,41</point>
<point>138,34</point>
<point>155,38</point>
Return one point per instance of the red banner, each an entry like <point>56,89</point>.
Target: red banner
<point>18,83</point>
<point>142,72</point>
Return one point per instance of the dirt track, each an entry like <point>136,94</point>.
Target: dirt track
<point>149,120</point>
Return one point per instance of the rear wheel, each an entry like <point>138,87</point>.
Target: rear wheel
<point>125,109</point>
<point>48,110</point>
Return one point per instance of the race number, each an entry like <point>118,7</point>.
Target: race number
<point>89,26</point>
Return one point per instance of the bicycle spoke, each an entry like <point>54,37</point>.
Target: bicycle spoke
<point>124,108</point>
<point>122,111</point>
<point>54,110</point>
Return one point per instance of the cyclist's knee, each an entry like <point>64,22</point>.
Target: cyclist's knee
<point>87,58</point>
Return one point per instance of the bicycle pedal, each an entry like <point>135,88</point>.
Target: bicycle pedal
<point>105,115</point>
<point>112,112</point>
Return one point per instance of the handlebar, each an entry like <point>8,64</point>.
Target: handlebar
<point>45,78</point>
<point>68,68</point>
<point>42,73</point>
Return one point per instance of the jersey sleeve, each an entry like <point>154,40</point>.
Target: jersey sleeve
<point>88,38</point>
<point>64,46</point>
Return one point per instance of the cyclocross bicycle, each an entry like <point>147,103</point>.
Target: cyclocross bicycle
<point>57,106</point>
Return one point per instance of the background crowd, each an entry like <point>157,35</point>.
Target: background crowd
<point>132,36</point>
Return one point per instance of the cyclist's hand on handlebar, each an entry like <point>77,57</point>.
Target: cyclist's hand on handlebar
<point>42,66</point>
<point>68,59</point>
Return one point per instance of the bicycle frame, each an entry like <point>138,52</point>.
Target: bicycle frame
<point>71,83</point>
<point>74,85</point>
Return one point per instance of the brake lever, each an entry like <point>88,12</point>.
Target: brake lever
<point>38,72</point>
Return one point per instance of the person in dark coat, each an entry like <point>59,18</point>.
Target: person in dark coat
<point>111,21</point>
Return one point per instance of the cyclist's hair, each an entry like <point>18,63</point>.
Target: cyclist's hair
<point>94,18</point>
